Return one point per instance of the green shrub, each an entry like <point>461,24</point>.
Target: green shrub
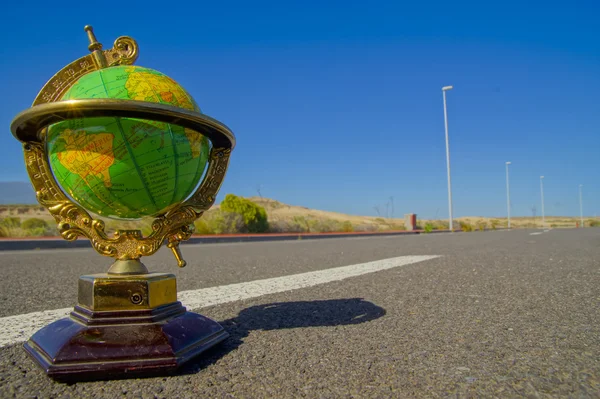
<point>285,226</point>
<point>428,227</point>
<point>300,224</point>
<point>313,226</point>
<point>34,223</point>
<point>464,226</point>
<point>494,223</point>
<point>347,226</point>
<point>253,215</point>
<point>220,222</point>
<point>224,222</point>
<point>11,227</point>
<point>440,225</point>
<point>481,225</point>
<point>11,222</point>
<point>201,227</point>
<point>324,226</point>
<point>594,223</point>
<point>36,232</point>
<point>36,227</point>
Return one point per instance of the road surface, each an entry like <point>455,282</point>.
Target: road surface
<point>492,314</point>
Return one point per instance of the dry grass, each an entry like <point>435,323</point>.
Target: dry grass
<point>25,211</point>
<point>292,218</point>
<point>280,212</point>
<point>525,222</point>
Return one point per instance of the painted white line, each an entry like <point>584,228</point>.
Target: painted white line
<point>235,292</point>
<point>535,234</point>
<point>19,328</point>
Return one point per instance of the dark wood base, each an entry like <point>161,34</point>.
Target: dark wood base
<point>118,344</point>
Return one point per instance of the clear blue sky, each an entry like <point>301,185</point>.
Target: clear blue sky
<point>338,105</point>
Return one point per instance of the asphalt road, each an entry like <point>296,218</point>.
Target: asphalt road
<point>498,314</point>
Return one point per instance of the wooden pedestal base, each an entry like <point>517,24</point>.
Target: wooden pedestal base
<point>91,345</point>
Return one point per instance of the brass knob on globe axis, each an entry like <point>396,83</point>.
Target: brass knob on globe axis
<point>94,44</point>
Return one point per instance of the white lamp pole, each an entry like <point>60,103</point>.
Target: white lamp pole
<point>507,195</point>
<point>580,205</point>
<point>444,89</point>
<point>542,191</point>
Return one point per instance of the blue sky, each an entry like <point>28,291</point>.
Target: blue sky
<point>338,105</point>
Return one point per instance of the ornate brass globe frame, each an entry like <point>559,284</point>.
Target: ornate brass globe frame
<point>133,313</point>
<point>30,127</point>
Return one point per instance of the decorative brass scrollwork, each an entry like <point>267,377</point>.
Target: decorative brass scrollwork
<point>73,220</point>
<point>124,52</point>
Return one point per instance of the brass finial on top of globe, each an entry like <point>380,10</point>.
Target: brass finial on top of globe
<point>107,138</point>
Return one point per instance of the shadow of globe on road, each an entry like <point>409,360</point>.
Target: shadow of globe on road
<point>286,315</point>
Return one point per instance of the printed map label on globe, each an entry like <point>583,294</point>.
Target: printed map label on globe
<point>124,167</point>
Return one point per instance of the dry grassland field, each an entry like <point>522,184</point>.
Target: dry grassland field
<point>34,220</point>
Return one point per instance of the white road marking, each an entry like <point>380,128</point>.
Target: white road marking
<point>19,328</point>
<point>535,234</point>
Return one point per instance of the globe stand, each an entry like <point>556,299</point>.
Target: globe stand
<point>124,325</point>
<point>128,321</point>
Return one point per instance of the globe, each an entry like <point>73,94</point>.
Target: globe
<point>127,168</point>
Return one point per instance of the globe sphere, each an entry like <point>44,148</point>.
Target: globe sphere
<point>127,168</point>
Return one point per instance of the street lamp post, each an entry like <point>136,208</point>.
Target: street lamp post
<point>580,205</point>
<point>444,89</point>
<point>507,194</point>
<point>542,191</point>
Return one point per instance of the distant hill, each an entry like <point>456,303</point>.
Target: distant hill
<point>16,192</point>
<point>17,200</point>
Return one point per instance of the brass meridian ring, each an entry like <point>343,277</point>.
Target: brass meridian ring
<point>27,124</point>
<point>174,226</point>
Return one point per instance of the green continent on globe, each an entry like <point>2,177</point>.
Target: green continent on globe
<point>127,168</point>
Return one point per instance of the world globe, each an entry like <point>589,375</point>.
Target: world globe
<point>127,168</point>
